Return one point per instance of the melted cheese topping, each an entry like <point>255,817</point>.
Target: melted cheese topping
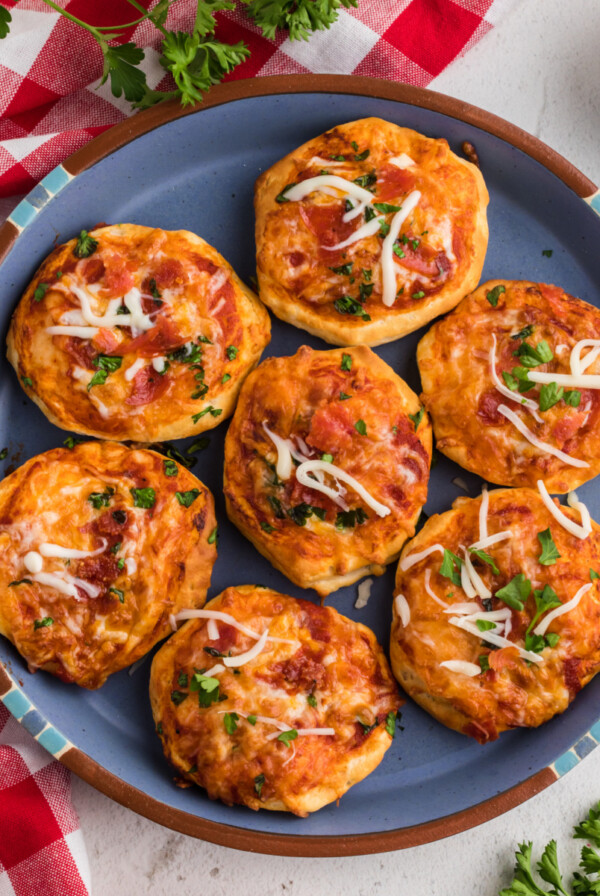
<point>134,368</point>
<point>483,514</point>
<point>364,231</point>
<point>580,531</point>
<point>364,593</point>
<point>388,268</point>
<point>242,658</point>
<point>284,455</point>
<point>577,365</point>
<point>462,667</point>
<point>310,466</point>
<point>78,332</point>
<point>402,161</point>
<point>542,627</point>
<point>47,549</point>
<point>480,587</point>
<point>430,590</point>
<point>493,638</point>
<point>411,559</point>
<point>528,403</point>
<point>402,609</point>
<point>491,540</point>
<point>537,443</point>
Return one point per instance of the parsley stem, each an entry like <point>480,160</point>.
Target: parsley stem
<point>67,15</point>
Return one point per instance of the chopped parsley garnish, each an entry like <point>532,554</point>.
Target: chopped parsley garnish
<point>572,398</point>
<point>338,158</point>
<point>267,527</point>
<point>348,206</point>
<point>277,508</point>
<point>384,228</point>
<point>251,720</point>
<point>547,253</point>
<point>416,418</point>
<point>104,365</point>
<point>370,213</point>
<point>188,353</point>
<point>484,662</point>
<point>451,566</point>
<point>85,246</point>
<point>154,289</point>
<point>516,592</point>
<point>545,599</point>
<point>484,625</point>
<point>120,594</point>
<point>287,736</point>
<point>312,701</point>
<point>302,512</point>
<point>366,180</point>
<point>212,538</point>
<point>494,294</point>
<point>258,783</point>
<point>214,412</point>
<point>344,396</point>
<point>486,559</point>
<point>367,274</point>
<point>328,458</point>
<point>354,145</point>
<point>418,295</point>
<point>524,333</point>
<point>26,381</point>
<point>143,497</point>
<point>361,156</point>
<point>121,563</point>
<point>385,208</point>
<point>282,197</point>
<point>42,623</point>
<point>346,362</point>
<point>116,547</point>
<point>361,427</point>
<point>170,467</point>
<point>40,292</point>
<point>593,575</point>
<point>29,582</point>
<point>70,442</point>
<point>198,445</point>
<point>344,269</point>
<point>178,697</point>
<point>364,291</point>
<point>231,351</point>
<point>207,688</point>
<point>226,377</point>
<point>348,305</point>
<point>101,499</point>
<point>549,554</point>
<point>186,499</point>
<point>348,519</point>
<point>390,723</point>
<point>4,454</point>
<point>398,250</point>
<point>230,720</point>
<point>533,357</point>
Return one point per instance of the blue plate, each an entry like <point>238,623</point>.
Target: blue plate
<point>197,172</point>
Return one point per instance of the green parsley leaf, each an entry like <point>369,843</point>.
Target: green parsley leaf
<point>26,381</point>
<point>214,412</point>
<point>344,396</point>
<point>40,292</point>
<point>547,253</point>
<point>186,499</point>
<point>522,375</point>
<point>494,294</point>
<point>516,592</point>
<point>207,688</point>
<point>143,497</point>
<point>101,499</point>
<point>346,362</point>
<point>287,736</point>
<point>486,559</point>
<point>170,467</point>
<point>370,213</point>
<point>230,720</point>
<point>277,508</point>
<point>328,458</point>
<point>125,79</point>
<point>361,427</point>
<point>116,547</point>
<point>226,377</point>
<point>178,697</point>
<point>344,269</point>
<point>548,867</point>
<point>367,274</point>
<point>550,394</point>
<point>484,662</point>
<point>589,828</point>
<point>416,418</point>
<point>4,454</point>
<point>42,623</point>
<point>398,250</point>
<point>364,291</point>
<point>312,701</point>
<point>259,783</point>
<point>385,208</point>
<point>70,442</point>
<point>251,719</point>
<point>418,295</point>
<point>552,639</point>
<point>104,365</point>
<point>154,289</point>
<point>366,180</point>
<point>549,554</point>
<point>572,398</point>
<point>347,305</point>
<point>524,333</point>
<point>198,445</point>
<point>231,351</point>
<point>594,575</point>
<point>484,625</point>
<point>120,594</point>
<point>511,381</point>
<point>451,566</point>
<point>361,156</point>
<point>5,20</point>
<point>384,228</point>
<point>281,197</point>
<point>390,723</point>
<point>298,18</point>
<point>533,357</point>
<point>121,563</point>
<point>267,527</point>
<point>212,538</point>
<point>348,519</point>
<point>302,512</point>
<point>86,245</point>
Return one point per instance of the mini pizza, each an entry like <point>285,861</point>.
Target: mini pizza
<point>511,382</point>
<point>327,464</point>
<point>98,546</point>
<point>368,232</point>
<point>132,332</point>
<point>496,621</point>
<point>272,702</point>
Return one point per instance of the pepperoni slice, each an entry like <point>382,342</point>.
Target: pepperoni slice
<point>393,183</point>
<point>327,224</point>
<point>118,276</point>
<point>93,270</point>
<point>168,273</point>
<point>81,350</point>
<point>423,259</point>
<point>487,409</point>
<point>331,429</point>
<point>161,338</point>
<point>105,341</point>
<point>204,264</point>
<point>148,385</point>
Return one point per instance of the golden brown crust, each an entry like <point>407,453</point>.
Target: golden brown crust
<point>513,692</point>
<point>187,291</point>
<point>326,672</point>
<point>458,390</point>
<point>147,562</point>
<point>317,404</point>
<point>442,248</point>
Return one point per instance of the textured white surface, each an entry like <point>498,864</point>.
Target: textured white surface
<point>540,69</point>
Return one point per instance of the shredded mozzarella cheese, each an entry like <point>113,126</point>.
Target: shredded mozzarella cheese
<point>284,456</point>
<point>537,443</point>
<point>402,609</point>
<point>493,638</point>
<point>402,161</point>
<point>528,403</point>
<point>492,539</point>
<point>542,627</point>
<point>462,667</point>
<point>388,267</point>
<point>212,630</point>
<point>483,513</point>
<point>310,466</point>
<point>478,584</point>
<point>134,368</point>
<point>241,659</point>
<point>364,593</point>
<point>430,590</point>
<point>580,531</point>
<point>47,549</point>
<point>411,559</point>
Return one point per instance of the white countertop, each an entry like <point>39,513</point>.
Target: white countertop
<point>540,69</point>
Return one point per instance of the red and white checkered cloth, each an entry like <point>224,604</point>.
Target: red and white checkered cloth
<point>49,68</point>
<point>41,847</point>
<point>50,106</point>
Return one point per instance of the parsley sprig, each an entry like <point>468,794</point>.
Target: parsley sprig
<point>195,59</point>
